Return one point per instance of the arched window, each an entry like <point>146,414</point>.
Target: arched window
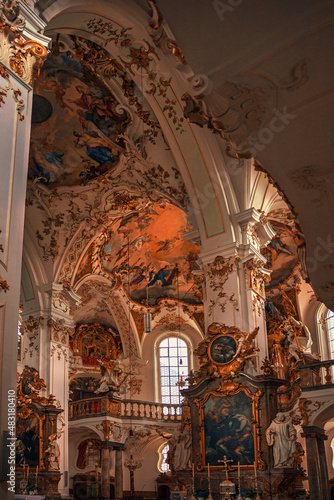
<point>162,463</point>
<point>330,331</point>
<point>173,367</point>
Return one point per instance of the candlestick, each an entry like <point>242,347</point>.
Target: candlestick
<point>36,472</point>
<point>28,474</point>
<point>255,473</point>
<point>239,497</point>
<point>208,471</point>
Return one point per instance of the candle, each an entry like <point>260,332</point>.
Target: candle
<point>238,470</point>
<point>36,472</point>
<point>208,471</point>
<point>255,470</point>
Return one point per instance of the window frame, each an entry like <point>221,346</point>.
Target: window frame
<point>323,332</point>
<point>158,341</point>
<point>162,458</point>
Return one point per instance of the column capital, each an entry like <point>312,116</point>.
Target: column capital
<point>226,251</point>
<point>113,445</point>
<point>60,300</point>
<point>255,229</point>
<point>22,46</point>
<point>314,432</point>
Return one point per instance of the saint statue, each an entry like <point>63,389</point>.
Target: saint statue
<point>53,453</point>
<point>281,434</point>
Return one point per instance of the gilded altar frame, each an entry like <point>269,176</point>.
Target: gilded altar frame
<point>225,395</point>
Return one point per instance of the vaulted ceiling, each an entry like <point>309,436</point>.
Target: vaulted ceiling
<point>111,145</point>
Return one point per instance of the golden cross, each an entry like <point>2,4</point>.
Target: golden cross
<point>225,462</point>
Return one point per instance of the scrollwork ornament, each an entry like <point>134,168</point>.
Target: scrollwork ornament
<point>22,57</point>
<point>224,351</point>
<point>16,93</point>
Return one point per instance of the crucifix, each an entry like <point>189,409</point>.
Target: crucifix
<point>225,462</point>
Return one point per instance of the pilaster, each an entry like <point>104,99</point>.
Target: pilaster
<point>236,278</point>
<point>316,462</point>
<point>22,50</point>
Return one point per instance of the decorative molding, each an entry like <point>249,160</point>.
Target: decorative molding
<point>209,352</point>
<point>22,57</point>
<point>16,93</point>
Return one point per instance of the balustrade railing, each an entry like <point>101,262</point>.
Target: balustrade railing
<point>316,375</point>
<point>126,408</point>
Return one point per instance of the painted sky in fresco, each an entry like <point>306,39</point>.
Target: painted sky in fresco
<point>147,250</point>
<point>76,125</point>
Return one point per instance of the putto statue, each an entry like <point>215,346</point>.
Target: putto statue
<point>9,14</point>
<point>281,434</point>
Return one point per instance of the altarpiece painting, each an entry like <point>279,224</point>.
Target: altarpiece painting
<point>229,427</point>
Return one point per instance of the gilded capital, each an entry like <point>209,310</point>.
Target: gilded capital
<point>18,52</point>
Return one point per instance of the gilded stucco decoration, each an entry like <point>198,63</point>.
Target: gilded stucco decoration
<point>111,430</point>
<point>4,285</point>
<point>218,273</point>
<point>23,57</point>
<point>224,351</point>
<point>58,331</point>
<point>256,276</point>
<point>94,342</point>
<point>16,93</point>
<point>155,28</point>
<point>30,328</point>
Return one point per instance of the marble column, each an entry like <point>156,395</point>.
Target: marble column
<point>118,474</point>
<point>316,463</point>
<point>22,47</point>
<point>105,469</point>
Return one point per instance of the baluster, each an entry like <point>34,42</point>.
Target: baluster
<point>328,376</point>
<point>145,410</point>
<point>150,414</point>
<point>125,408</point>
<point>131,409</point>
<point>317,377</point>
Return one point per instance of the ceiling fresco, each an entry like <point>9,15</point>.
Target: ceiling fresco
<point>284,252</point>
<point>76,124</point>
<point>145,251</point>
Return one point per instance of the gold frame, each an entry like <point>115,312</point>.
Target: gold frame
<point>231,389</point>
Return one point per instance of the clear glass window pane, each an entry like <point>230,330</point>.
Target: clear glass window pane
<point>172,368</point>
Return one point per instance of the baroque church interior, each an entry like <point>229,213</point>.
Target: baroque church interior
<point>167,269</point>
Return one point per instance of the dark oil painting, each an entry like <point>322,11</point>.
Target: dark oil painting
<point>223,349</point>
<point>228,429</point>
